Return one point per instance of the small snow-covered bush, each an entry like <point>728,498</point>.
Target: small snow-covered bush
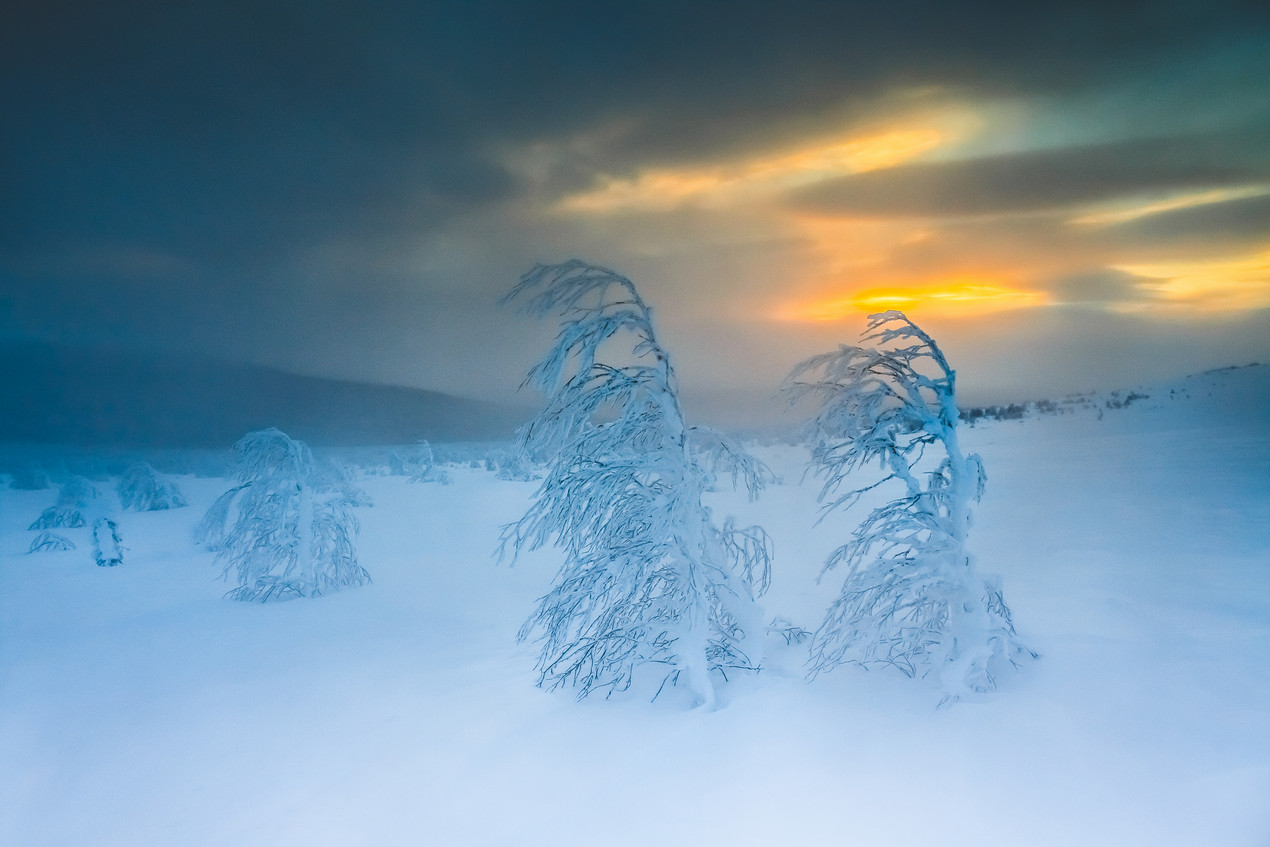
<point>912,597</point>
<point>141,490</point>
<point>340,479</point>
<point>790,632</point>
<point>648,578</point>
<point>50,541</point>
<point>420,464</point>
<point>284,531</point>
<point>59,517</point>
<point>513,465</point>
<point>79,492</point>
<point>107,550</point>
<point>75,495</point>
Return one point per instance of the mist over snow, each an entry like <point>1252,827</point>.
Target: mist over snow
<point>138,706</point>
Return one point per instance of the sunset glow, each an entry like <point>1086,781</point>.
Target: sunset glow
<point>716,184</point>
<point>948,299</point>
<point>348,193</point>
<point>1207,286</point>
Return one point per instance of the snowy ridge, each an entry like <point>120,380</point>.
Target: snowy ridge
<point>1221,391</point>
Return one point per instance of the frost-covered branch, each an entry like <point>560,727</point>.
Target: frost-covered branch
<point>719,453</point>
<point>50,541</point>
<point>911,597</point>
<point>647,578</point>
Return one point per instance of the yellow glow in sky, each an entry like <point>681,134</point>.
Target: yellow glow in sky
<point>1208,286</point>
<point>666,188</point>
<point>915,265</point>
<point>954,297</point>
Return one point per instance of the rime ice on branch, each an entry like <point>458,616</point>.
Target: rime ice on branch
<point>647,577</point>
<point>911,597</point>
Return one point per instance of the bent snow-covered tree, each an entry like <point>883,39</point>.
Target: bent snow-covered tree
<point>76,496</point>
<point>648,578</point>
<point>911,597</point>
<point>284,531</point>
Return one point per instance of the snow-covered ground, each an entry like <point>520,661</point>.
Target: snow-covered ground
<point>138,707</point>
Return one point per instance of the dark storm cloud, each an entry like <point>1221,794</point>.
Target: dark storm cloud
<point>711,79</point>
<point>235,131</point>
<point>230,133</point>
<point>1042,180</point>
<point>193,173</point>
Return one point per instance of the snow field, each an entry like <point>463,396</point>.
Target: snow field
<point>139,707</point>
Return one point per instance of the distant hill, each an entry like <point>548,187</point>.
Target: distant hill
<point>56,394</point>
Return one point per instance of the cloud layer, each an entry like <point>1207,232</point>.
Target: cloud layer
<point>347,190</point>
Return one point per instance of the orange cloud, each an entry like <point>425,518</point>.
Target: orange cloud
<point>721,182</point>
<point>1206,286</point>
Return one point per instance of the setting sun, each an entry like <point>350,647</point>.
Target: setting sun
<point>956,298</point>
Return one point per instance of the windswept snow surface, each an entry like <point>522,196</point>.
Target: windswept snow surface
<point>138,707</point>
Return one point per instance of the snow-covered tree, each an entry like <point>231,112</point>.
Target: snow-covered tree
<point>107,546</point>
<point>422,465</point>
<point>337,478</point>
<point>912,597</point>
<point>75,495</point>
<point>648,578</point>
<point>514,465</point>
<point>141,490</point>
<point>284,531</point>
<point>77,498</point>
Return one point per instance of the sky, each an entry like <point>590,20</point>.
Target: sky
<point>1069,196</point>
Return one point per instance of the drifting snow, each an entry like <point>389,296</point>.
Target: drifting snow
<point>138,707</point>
